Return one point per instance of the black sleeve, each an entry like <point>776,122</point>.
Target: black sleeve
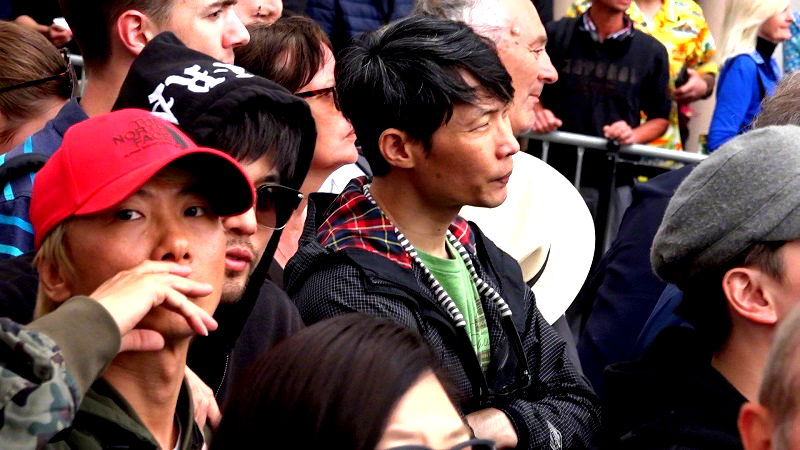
<point>42,11</point>
<point>560,406</point>
<point>656,99</point>
<point>18,285</point>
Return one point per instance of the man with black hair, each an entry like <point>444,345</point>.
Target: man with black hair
<point>110,34</point>
<point>435,129</point>
<point>737,268</point>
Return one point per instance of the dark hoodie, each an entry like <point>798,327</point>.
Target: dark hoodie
<point>199,94</point>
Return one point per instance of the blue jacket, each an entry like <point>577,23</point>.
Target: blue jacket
<point>16,231</point>
<point>344,19</point>
<point>743,82</point>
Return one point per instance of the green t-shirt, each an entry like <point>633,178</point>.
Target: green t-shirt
<point>454,277</point>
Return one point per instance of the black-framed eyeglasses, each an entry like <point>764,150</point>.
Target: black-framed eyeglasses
<point>473,444</point>
<point>320,92</point>
<point>68,72</point>
<point>275,204</point>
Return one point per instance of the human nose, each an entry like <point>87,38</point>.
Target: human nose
<point>241,225</point>
<point>173,243</point>
<point>547,73</point>
<point>236,33</point>
<point>507,143</point>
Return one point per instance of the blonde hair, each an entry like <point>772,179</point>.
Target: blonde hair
<point>53,256</point>
<point>743,18</point>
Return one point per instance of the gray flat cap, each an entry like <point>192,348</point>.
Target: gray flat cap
<point>746,192</point>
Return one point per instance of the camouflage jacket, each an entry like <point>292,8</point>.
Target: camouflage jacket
<point>46,367</point>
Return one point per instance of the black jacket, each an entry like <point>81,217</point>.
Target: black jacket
<point>671,399</point>
<point>200,108</point>
<point>558,408</point>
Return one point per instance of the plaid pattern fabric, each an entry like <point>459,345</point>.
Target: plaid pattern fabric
<point>353,221</point>
<point>588,25</point>
<point>558,410</point>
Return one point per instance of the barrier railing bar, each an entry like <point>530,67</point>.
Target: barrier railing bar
<point>581,140</point>
<point>579,167</point>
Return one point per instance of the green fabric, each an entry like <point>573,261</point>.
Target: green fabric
<point>454,277</point>
<point>106,420</point>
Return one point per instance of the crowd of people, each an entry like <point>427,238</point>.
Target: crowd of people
<point>239,227</point>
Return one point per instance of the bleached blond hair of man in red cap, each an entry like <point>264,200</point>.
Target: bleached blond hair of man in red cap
<point>129,195</point>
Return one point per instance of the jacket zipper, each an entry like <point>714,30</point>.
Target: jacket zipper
<point>224,372</point>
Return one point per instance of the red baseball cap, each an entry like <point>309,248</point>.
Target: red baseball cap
<point>105,159</point>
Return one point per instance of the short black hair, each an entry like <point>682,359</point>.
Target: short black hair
<point>333,384</point>
<point>704,304</point>
<point>256,129</point>
<point>409,75</point>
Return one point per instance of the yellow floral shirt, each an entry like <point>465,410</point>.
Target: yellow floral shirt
<point>682,28</point>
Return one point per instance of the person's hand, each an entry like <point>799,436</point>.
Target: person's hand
<point>694,89</point>
<point>203,401</point>
<point>544,120</point>
<point>619,131</point>
<point>58,36</point>
<point>131,294</point>
<point>491,423</point>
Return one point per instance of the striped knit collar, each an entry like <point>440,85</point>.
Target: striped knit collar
<point>354,221</point>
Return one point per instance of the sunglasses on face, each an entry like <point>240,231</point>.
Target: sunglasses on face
<point>275,204</point>
<point>320,92</point>
<point>68,72</point>
<point>472,444</point>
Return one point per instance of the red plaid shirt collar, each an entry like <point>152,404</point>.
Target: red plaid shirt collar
<point>353,221</point>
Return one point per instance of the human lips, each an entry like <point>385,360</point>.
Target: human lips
<point>238,259</point>
<point>504,179</point>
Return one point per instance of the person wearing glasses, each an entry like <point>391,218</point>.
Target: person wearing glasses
<point>35,82</point>
<point>353,382</point>
<point>295,53</point>
<point>429,100</point>
<point>110,34</point>
<point>272,134</point>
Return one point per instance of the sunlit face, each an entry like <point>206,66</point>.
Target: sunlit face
<point>522,51</point>
<point>335,136</point>
<point>424,416</point>
<point>165,220</point>
<point>259,11</point>
<point>776,27</point>
<point>469,160</point>
<point>246,238</point>
<point>208,26</point>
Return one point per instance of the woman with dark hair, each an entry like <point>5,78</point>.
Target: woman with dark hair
<point>295,53</point>
<point>350,382</point>
<point>35,82</point>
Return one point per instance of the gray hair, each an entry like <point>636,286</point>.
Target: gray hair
<point>783,107</point>
<point>487,17</point>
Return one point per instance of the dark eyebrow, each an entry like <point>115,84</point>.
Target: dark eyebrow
<point>272,177</point>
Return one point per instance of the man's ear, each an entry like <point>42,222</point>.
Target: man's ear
<point>755,427</point>
<point>399,149</point>
<point>53,282</point>
<point>135,30</point>
<point>745,289</point>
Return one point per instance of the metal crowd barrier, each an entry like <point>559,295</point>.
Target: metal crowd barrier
<point>606,223</point>
<point>582,142</point>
